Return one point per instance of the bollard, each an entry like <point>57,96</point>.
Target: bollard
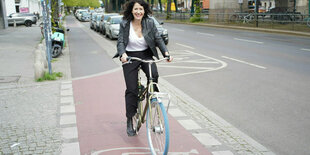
<point>14,23</point>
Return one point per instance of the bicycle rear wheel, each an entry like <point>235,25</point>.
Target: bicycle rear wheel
<point>157,127</point>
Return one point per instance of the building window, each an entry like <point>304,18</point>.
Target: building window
<point>17,8</point>
<point>17,1</point>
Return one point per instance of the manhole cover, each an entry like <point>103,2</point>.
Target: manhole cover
<point>8,79</point>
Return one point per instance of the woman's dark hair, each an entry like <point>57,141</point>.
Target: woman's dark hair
<point>129,6</point>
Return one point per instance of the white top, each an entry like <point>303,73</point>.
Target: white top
<point>135,43</point>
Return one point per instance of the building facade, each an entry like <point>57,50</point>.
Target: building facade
<point>268,4</point>
<point>17,6</point>
<point>23,6</point>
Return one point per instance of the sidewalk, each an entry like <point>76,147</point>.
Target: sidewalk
<point>29,122</point>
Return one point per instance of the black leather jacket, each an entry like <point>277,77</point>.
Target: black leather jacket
<point>150,34</point>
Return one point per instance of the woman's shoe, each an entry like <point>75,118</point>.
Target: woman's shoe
<point>130,130</point>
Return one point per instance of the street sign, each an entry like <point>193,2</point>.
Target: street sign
<point>240,1</point>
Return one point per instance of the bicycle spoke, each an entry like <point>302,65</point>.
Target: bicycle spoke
<point>157,129</point>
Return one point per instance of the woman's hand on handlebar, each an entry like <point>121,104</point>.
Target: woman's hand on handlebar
<point>168,56</point>
<point>124,58</point>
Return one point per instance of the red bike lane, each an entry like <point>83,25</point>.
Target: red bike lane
<point>101,121</point>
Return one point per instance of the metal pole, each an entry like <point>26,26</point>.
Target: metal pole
<point>192,8</point>
<point>294,6</point>
<point>256,12</point>
<point>47,33</point>
<point>161,9</point>
<point>176,5</point>
<point>152,4</point>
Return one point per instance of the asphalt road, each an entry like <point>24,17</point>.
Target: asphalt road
<point>263,90</point>
<point>259,82</point>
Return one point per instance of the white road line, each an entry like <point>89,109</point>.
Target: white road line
<point>304,49</point>
<point>251,41</point>
<point>98,74</point>
<point>185,46</point>
<point>184,67</point>
<point>206,34</point>
<point>241,61</point>
<point>222,65</point>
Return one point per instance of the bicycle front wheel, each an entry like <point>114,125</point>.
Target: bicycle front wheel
<point>157,126</point>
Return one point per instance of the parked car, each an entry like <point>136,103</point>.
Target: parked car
<point>97,22</point>
<point>26,19</point>
<point>78,13</point>
<point>112,26</point>
<point>161,30</point>
<point>103,21</point>
<point>85,17</point>
<point>93,20</point>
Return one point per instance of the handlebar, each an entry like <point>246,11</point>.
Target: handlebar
<point>129,60</point>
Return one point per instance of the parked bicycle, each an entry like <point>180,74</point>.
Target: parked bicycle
<point>152,111</point>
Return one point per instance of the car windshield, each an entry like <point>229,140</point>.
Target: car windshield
<point>84,13</point>
<point>106,17</point>
<point>116,20</point>
<point>98,17</point>
<point>94,16</point>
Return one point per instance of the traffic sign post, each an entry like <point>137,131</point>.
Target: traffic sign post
<point>240,2</point>
<point>47,33</point>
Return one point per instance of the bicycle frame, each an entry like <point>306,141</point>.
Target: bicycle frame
<point>149,93</point>
<point>153,113</point>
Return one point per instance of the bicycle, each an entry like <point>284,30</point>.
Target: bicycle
<point>152,111</point>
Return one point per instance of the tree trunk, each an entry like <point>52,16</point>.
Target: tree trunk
<point>168,9</point>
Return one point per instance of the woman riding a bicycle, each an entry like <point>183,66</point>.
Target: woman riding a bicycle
<point>138,37</point>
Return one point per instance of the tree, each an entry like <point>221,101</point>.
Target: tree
<point>168,9</point>
<point>197,15</point>
<point>81,3</point>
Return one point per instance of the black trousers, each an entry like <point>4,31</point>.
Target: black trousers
<point>131,79</point>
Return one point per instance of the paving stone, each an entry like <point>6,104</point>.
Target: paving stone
<point>66,92</point>
<point>222,153</point>
<point>71,148</point>
<point>206,139</point>
<point>67,119</point>
<point>66,86</point>
<point>189,124</point>
<point>30,117</point>
<point>176,113</point>
<point>70,133</point>
<point>66,100</point>
<point>67,109</point>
